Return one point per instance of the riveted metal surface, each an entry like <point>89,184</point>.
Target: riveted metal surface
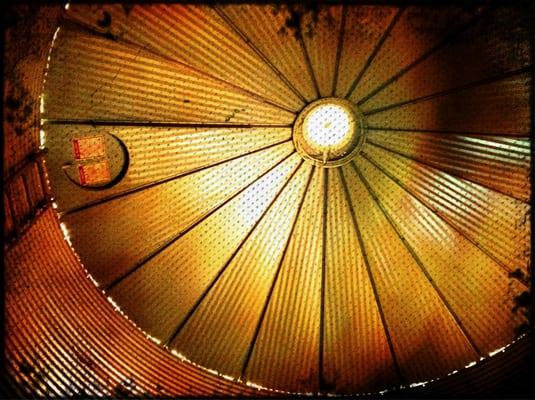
<point>499,163</point>
<point>173,210</point>
<point>194,35</point>
<point>222,231</point>
<point>217,323</point>
<point>321,34</point>
<point>363,27</point>
<point>411,36</point>
<point>494,222</point>
<point>414,311</point>
<point>351,340</point>
<point>276,35</point>
<point>439,247</point>
<point>115,81</point>
<point>291,325</point>
<point>47,346</point>
<point>499,108</point>
<point>156,155</point>
<point>488,39</point>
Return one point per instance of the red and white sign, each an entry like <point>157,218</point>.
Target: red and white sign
<point>89,147</point>
<point>94,173</point>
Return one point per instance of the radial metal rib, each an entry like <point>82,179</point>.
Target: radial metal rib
<point>224,268</point>
<point>193,225</point>
<point>418,261</point>
<point>322,383</point>
<point>446,132</point>
<point>257,51</point>
<point>434,49</point>
<point>441,215</point>
<point>274,282</point>
<point>309,65</point>
<point>341,35</point>
<point>160,124</point>
<point>429,165</point>
<point>158,56</point>
<point>165,180</point>
<point>376,49</point>
<point>372,280</point>
<point>447,92</point>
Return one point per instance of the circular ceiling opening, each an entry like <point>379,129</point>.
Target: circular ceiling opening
<point>329,132</point>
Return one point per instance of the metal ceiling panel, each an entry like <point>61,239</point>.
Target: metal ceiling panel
<point>275,35</point>
<point>363,28</point>
<point>424,332</point>
<point>322,30</point>
<point>286,352</point>
<point>495,108</point>
<point>192,34</point>
<point>170,210</point>
<point>224,320</point>
<point>494,222</point>
<point>155,155</point>
<point>65,339</point>
<point>498,163</point>
<point>114,81</point>
<point>478,289</point>
<point>453,65</point>
<point>356,352</point>
<point>413,35</point>
<point>171,281</point>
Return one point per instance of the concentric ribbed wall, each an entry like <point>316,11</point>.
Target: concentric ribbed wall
<point>220,241</point>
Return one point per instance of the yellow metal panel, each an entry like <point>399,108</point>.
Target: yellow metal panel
<point>363,28</point>
<point>286,354</point>
<point>265,26</point>
<point>417,31</point>
<point>222,329</point>
<point>426,338</point>
<point>170,283</point>
<point>495,222</point>
<point>321,36</point>
<point>192,34</point>
<point>159,213</point>
<point>449,68</point>
<point>500,108</point>
<point>224,243</point>
<point>112,81</point>
<point>357,356</point>
<point>66,333</point>
<point>476,287</point>
<point>154,153</point>
<point>499,163</point>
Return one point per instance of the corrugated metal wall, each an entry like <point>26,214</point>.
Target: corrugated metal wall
<point>62,337</point>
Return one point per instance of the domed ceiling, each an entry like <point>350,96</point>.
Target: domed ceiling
<point>310,199</point>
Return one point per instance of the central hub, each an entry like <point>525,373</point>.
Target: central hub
<point>328,132</point>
